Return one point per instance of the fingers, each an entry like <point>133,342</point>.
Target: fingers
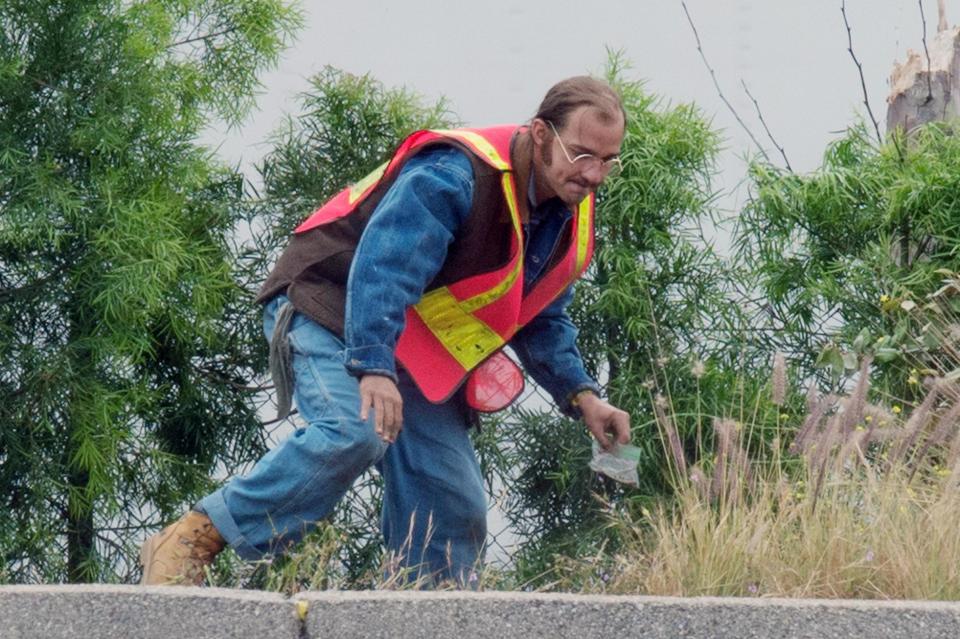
<point>385,422</point>
<point>388,417</point>
<point>393,415</point>
<point>599,431</point>
<point>378,416</point>
<point>365,401</point>
<point>381,394</point>
<point>621,427</point>
<point>391,423</point>
<point>608,425</point>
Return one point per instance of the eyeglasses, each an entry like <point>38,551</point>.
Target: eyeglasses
<point>611,166</point>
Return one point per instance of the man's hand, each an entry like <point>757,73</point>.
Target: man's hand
<point>381,394</point>
<point>607,423</point>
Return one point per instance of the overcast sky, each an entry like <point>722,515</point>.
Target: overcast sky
<point>494,60</point>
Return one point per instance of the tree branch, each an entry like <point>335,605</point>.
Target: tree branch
<point>717,85</point>
<point>203,37</point>
<point>766,128</point>
<point>863,83</point>
<point>926,52</point>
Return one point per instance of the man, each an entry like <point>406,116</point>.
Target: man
<point>465,241</point>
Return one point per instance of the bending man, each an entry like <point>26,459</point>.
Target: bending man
<point>387,300</point>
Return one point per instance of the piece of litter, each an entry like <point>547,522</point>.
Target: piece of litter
<point>302,607</point>
<point>619,463</point>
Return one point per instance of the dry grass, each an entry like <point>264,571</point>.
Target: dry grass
<point>863,501</point>
<point>868,537</point>
<point>319,563</point>
<point>866,505</point>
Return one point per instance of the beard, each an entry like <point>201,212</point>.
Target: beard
<point>546,154</point>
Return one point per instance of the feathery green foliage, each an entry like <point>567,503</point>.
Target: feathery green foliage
<point>349,124</point>
<point>864,503</point>
<point>653,304</point>
<point>122,387</point>
<point>835,252</point>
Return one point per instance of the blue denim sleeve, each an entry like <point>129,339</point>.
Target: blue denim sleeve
<point>401,250</point>
<point>547,348</point>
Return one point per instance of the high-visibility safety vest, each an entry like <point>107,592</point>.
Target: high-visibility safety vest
<point>454,328</point>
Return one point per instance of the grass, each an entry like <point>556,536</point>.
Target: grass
<point>322,562</point>
<point>863,502</point>
<point>869,536</point>
<point>859,497</point>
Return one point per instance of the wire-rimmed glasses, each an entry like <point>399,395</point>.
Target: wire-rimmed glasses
<point>611,167</point>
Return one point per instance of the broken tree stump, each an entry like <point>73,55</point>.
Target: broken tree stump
<point>924,89</point>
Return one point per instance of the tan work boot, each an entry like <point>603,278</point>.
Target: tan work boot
<point>178,554</point>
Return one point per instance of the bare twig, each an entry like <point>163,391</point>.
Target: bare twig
<point>717,85</point>
<point>863,83</point>
<point>926,52</point>
<point>765,127</point>
<point>942,24</point>
<point>208,36</point>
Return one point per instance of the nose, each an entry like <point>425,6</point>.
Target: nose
<point>594,175</point>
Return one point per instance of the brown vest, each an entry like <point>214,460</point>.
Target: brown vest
<point>314,267</point>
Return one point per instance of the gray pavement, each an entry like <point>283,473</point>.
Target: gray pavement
<point>92,612</point>
<point>121,612</point>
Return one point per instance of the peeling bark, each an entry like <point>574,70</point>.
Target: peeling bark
<point>922,89</point>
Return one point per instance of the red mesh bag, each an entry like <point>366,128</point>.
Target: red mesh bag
<point>495,384</point>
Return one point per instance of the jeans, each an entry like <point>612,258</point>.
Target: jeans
<point>434,502</point>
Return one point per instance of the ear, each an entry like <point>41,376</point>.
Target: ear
<point>539,130</point>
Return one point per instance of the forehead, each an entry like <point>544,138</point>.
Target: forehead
<point>594,131</point>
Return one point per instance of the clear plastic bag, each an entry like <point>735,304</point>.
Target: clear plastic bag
<point>618,463</point>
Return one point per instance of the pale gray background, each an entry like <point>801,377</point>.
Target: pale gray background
<point>493,61</point>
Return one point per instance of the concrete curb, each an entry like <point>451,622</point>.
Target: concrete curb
<point>516,615</point>
<point>121,612</point>
<point>93,612</point>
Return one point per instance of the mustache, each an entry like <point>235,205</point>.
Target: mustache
<point>586,184</point>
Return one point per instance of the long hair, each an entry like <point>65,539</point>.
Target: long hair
<point>568,95</point>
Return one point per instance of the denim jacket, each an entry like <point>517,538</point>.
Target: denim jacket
<point>404,246</point>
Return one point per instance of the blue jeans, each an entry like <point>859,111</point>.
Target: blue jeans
<point>434,502</point>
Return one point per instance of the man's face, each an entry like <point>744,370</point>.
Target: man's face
<point>585,132</point>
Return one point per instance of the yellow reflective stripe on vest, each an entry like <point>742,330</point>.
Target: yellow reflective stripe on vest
<point>467,339</point>
<point>480,144</point>
<point>583,234</point>
<point>361,187</point>
<point>482,299</point>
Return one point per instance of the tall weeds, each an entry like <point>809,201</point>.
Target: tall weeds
<point>862,502</point>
